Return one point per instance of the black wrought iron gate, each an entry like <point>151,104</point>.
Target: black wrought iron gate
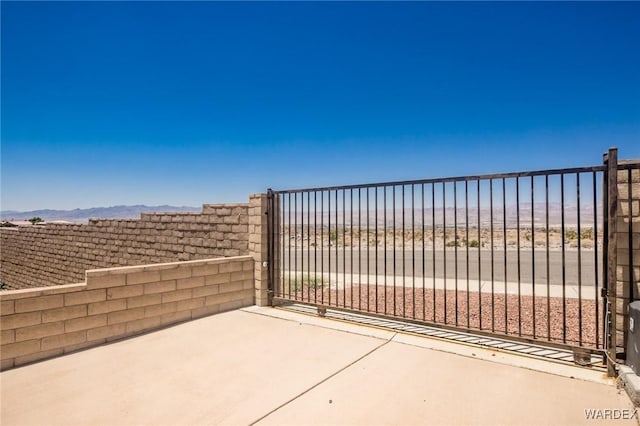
<point>520,255</point>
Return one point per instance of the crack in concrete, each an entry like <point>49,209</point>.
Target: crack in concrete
<point>332,375</point>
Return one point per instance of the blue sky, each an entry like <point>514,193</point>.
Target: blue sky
<point>190,103</point>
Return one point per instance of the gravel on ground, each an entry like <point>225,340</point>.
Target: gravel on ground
<point>557,320</point>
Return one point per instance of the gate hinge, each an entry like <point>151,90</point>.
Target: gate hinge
<point>603,292</point>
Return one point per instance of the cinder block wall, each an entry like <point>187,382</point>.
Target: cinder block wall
<point>628,249</point>
<point>118,302</point>
<point>54,254</point>
<point>258,246</point>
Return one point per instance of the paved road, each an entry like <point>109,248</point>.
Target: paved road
<point>310,261</point>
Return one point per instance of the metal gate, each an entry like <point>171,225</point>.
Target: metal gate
<point>520,255</point>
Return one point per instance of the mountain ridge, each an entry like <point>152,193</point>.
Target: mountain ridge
<point>83,215</point>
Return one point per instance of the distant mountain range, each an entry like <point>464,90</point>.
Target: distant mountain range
<point>299,216</point>
<point>83,215</point>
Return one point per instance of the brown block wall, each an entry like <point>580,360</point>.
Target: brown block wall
<point>628,249</point>
<point>116,303</point>
<point>55,254</point>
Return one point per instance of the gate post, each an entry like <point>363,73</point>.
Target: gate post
<point>611,211</point>
<point>258,246</point>
<point>273,249</point>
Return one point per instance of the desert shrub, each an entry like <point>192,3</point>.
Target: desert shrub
<point>587,234</point>
<point>301,282</point>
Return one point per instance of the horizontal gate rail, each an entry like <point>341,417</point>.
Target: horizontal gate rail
<point>449,333</point>
<point>513,254</point>
<point>452,179</point>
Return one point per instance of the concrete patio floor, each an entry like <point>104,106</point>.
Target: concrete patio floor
<point>268,366</point>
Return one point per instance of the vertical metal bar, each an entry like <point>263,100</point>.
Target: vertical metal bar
<point>384,229</point>
<point>337,257</point>
<point>322,245</point>
<point>546,188</point>
<point>329,245</point>
<point>424,301</point>
<point>518,254</point>
<point>394,248</point>
<point>533,257</point>
<point>276,278</point>
<point>504,244</point>
<point>311,276</point>
<point>289,244</point>
<point>279,283</point>
<point>466,238</point>
<point>368,250</point>
<point>283,247</point>
<point>479,264</point>
<point>351,244</point>
<point>433,243</point>
<point>493,293</point>
<point>315,245</point>
<point>270,238</point>
<point>376,249</point>
<point>564,270</point>
<point>302,244</point>
<point>277,249</point>
<point>579,260</point>
<point>344,248</point>
<point>280,248</point>
<point>295,244</point>
<point>413,249</point>
<point>404,261</point>
<point>595,259</point>
<point>359,249</point>
<point>444,246</point>
<point>277,261</point>
<point>455,242</point>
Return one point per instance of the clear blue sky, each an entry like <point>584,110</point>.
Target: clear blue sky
<point>188,103</point>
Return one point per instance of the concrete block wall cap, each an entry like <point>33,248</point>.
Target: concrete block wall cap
<point>164,266</point>
<point>40,291</point>
<point>188,212</point>
<point>65,288</point>
<point>631,383</point>
<point>20,294</point>
<point>624,370</point>
<point>225,205</point>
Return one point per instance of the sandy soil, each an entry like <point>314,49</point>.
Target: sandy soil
<point>485,237</point>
